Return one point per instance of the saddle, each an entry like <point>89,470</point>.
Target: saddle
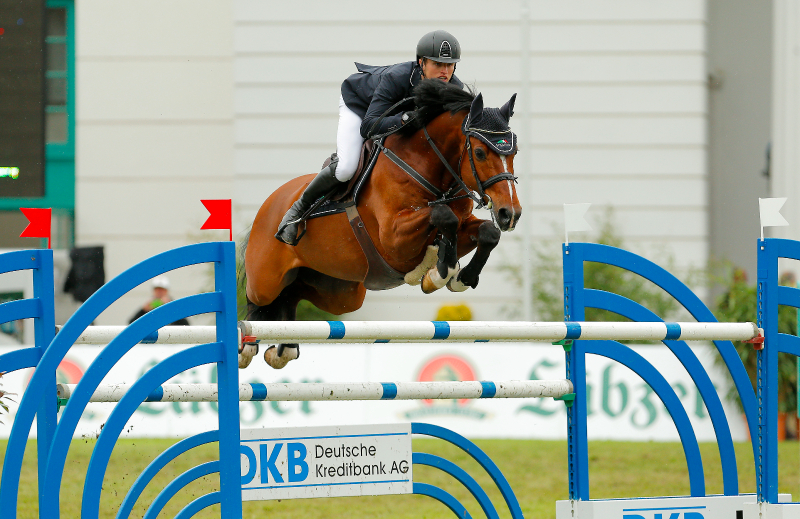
<point>380,275</point>
<point>346,193</point>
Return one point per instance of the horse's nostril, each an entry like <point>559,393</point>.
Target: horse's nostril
<point>504,215</point>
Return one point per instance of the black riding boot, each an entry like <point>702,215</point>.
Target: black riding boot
<point>320,186</point>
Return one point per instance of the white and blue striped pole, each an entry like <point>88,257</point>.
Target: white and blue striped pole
<point>502,331</point>
<point>446,390</point>
<point>432,331</point>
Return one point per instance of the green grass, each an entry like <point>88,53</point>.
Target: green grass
<point>536,470</point>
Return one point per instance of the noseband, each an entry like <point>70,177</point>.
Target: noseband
<point>452,194</point>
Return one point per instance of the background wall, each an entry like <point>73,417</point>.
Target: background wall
<point>154,130</point>
<point>786,110</point>
<point>617,114</point>
<point>182,100</point>
<point>740,82</point>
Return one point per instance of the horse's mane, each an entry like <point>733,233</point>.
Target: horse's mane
<point>433,97</point>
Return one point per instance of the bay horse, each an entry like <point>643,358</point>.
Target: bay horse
<point>416,208</point>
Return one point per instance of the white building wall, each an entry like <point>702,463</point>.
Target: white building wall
<point>617,116</point>
<point>785,167</point>
<point>184,100</point>
<point>154,130</point>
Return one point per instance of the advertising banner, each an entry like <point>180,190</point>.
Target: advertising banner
<point>707,507</point>
<point>621,406</point>
<point>294,463</point>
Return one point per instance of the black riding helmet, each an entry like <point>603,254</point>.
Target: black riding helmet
<point>439,46</point>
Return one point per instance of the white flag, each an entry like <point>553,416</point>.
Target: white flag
<point>574,219</point>
<point>769,209</point>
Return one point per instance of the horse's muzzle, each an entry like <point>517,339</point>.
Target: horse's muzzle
<point>507,219</point>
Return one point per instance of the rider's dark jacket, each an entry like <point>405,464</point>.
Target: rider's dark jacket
<point>373,90</point>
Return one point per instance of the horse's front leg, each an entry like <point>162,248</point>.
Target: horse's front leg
<point>446,222</point>
<point>483,235</point>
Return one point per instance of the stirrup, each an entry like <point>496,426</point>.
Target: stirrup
<point>297,239</point>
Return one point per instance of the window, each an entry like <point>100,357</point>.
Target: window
<point>59,133</point>
<point>58,91</point>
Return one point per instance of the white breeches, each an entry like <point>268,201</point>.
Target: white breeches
<point>348,142</point>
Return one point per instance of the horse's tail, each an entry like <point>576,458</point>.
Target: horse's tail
<point>241,277</point>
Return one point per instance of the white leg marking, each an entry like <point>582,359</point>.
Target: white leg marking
<point>454,285</point>
<point>431,257</point>
<point>246,355</point>
<point>289,353</point>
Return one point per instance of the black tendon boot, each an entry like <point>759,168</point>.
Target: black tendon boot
<point>323,184</point>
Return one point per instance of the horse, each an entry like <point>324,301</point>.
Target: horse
<point>415,209</point>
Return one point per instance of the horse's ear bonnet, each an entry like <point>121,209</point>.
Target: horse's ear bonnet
<point>507,110</point>
<point>490,125</point>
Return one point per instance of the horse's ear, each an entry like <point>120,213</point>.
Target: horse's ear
<point>507,110</point>
<point>476,110</point>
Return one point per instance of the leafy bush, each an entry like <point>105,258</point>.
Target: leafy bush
<point>737,305</point>
<point>547,282</point>
<point>460,312</point>
<point>4,398</point>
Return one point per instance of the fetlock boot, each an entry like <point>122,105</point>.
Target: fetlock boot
<point>322,185</point>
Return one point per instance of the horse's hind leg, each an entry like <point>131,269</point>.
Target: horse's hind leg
<point>446,221</point>
<point>283,308</point>
<point>330,294</point>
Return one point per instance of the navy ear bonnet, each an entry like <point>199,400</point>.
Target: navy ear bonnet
<point>490,125</point>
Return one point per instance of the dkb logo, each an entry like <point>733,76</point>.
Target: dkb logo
<point>293,462</point>
<point>665,515</point>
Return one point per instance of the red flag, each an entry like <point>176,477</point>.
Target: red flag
<point>220,217</point>
<point>39,226</point>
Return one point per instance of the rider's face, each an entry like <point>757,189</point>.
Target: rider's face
<point>435,70</point>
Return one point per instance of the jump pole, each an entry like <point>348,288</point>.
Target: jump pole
<point>432,331</point>
<point>445,390</point>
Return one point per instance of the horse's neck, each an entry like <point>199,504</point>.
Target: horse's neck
<point>418,153</point>
<point>445,132</point>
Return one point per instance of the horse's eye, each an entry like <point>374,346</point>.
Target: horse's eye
<point>480,154</point>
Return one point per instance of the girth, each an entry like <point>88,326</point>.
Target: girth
<point>380,275</point>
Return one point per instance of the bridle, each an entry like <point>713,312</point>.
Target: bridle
<point>452,194</point>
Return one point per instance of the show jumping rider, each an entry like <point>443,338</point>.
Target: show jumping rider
<point>366,95</point>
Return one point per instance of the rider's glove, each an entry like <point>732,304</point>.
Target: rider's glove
<point>408,117</point>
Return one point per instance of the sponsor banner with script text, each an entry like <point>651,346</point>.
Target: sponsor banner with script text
<point>620,405</point>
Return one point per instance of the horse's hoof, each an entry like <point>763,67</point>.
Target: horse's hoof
<point>277,361</point>
<point>428,286</point>
<point>433,281</point>
<point>455,285</point>
<point>246,355</point>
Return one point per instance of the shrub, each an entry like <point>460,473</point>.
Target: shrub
<point>460,312</point>
<point>547,281</point>
<point>737,305</point>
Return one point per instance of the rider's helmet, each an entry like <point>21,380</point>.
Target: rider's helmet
<point>439,46</point>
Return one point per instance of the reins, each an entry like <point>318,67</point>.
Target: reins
<point>383,115</point>
<point>460,184</point>
<point>443,197</point>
